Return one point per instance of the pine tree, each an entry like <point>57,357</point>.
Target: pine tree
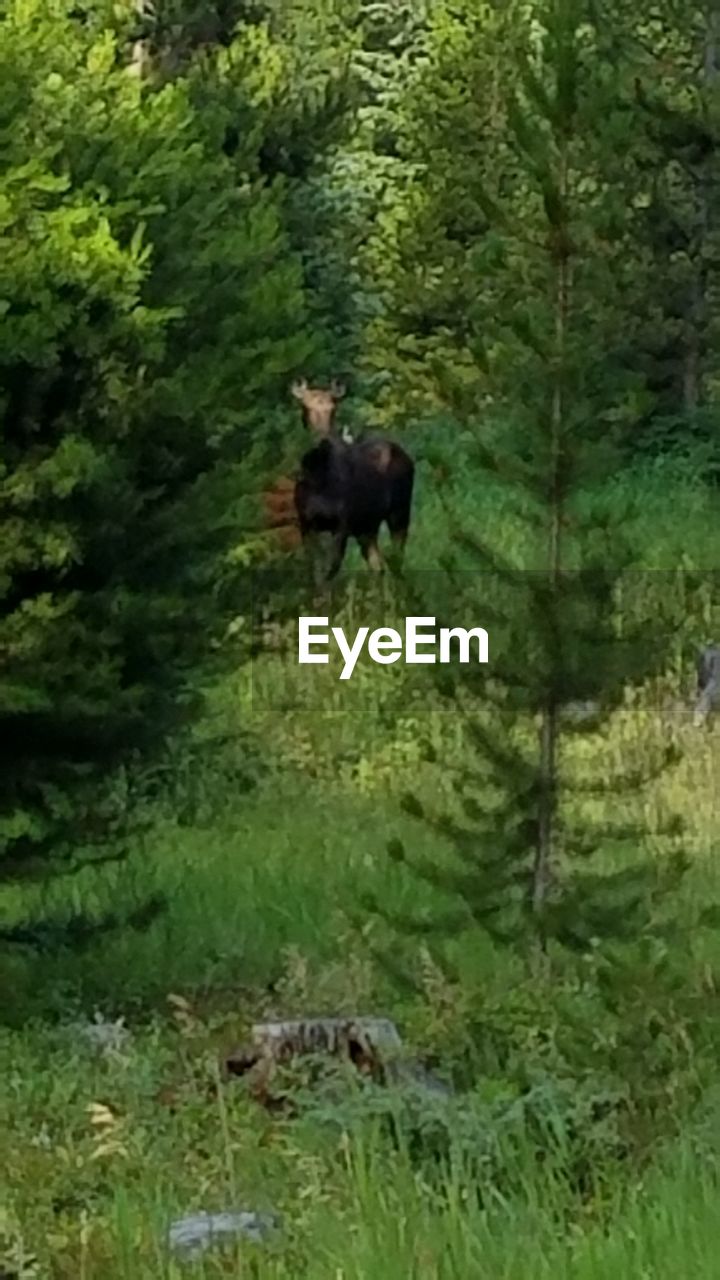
<point>151,313</point>
<point>361,176</point>
<point>675,87</point>
<point>526,861</point>
<point>448,139</point>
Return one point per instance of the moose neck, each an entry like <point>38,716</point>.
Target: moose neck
<point>323,432</point>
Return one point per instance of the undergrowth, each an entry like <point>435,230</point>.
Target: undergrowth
<point>580,1137</point>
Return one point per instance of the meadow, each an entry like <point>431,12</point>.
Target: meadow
<point>579,1140</point>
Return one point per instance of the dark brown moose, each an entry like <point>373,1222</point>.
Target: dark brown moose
<point>348,488</point>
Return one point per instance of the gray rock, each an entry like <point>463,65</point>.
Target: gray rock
<point>708,683</point>
<point>580,712</point>
<point>191,1236</point>
<point>106,1037</point>
<point>416,1076</point>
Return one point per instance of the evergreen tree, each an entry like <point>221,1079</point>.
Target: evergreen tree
<point>450,140</point>
<point>151,314</point>
<point>676,89</point>
<point>452,134</point>
<point>527,860</point>
<point>359,182</point>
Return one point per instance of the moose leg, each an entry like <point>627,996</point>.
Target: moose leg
<point>397,523</point>
<point>398,517</point>
<point>312,548</point>
<point>399,538</point>
<point>339,547</point>
<point>371,552</point>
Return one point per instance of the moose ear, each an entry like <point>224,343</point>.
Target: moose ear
<point>299,387</point>
<point>337,389</point>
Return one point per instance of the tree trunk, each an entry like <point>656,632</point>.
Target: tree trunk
<point>696,322</point>
<point>547,807</point>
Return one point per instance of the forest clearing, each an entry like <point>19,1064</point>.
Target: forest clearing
<point>369,311</point>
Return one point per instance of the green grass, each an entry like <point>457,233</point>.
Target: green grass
<point>279,870</point>
<point>97,1165</point>
<point>263,891</point>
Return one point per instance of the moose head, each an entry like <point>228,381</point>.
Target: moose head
<point>318,406</point>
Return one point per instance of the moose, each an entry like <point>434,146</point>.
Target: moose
<point>348,488</point>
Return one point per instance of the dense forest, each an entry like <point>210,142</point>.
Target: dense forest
<point>461,920</point>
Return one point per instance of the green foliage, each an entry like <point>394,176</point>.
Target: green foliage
<point>647,204</point>
<point>132,377</point>
<point>356,188</point>
<point>563,658</point>
<point>199,201</point>
<point>106,1146</point>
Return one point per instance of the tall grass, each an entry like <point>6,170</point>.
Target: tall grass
<point>263,890</point>
<point>249,874</point>
<point>91,1189</point>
